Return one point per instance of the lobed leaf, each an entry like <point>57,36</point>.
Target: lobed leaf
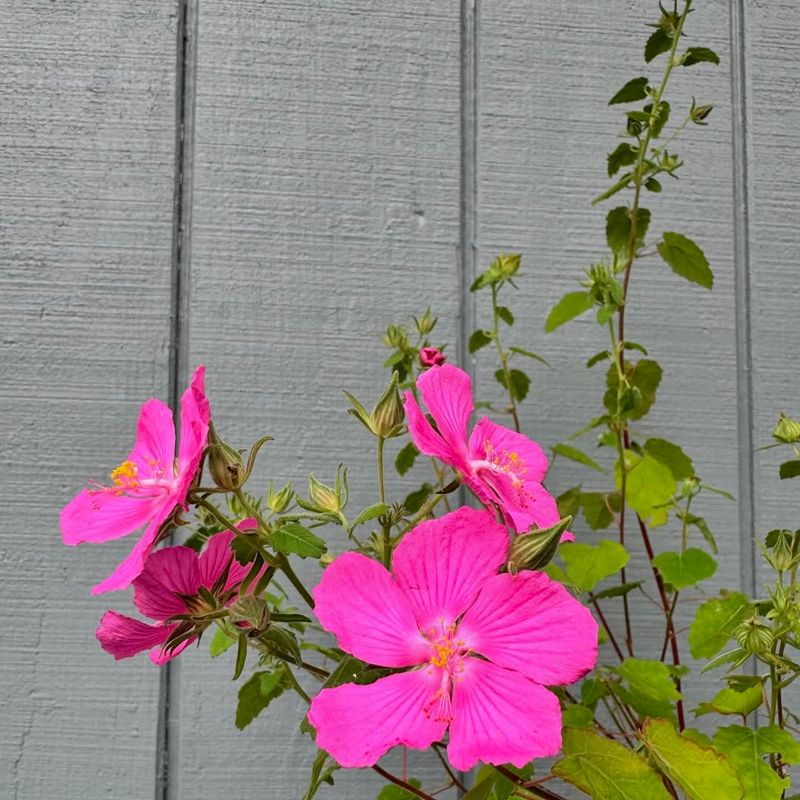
<point>688,568</point>
<point>587,565</point>
<point>715,622</point>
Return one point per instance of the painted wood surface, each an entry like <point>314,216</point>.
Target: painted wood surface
<point>343,166</point>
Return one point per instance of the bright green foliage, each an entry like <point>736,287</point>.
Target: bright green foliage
<point>578,716</point>
<point>321,772</point>
<point>605,769</point>
<point>649,486</point>
<point>504,313</point>
<point>294,538</point>
<point>480,338</point>
<point>371,512</point>
<point>394,792</point>
<point>618,228</point>
<point>405,458</point>
<point>571,305</point>
<point>220,642</point>
<point>701,772</point>
<point>684,569</point>
<point>715,622</point>
<point>745,747</point>
<point>643,379</point>
<point>672,456</point>
<point>659,42</point>
<point>597,508</point>
<point>257,694</point>
<point>574,454</point>
<point>741,701</point>
<point>623,156</point>
<point>483,788</point>
<point>648,687</point>
<point>686,259</point>
<point>517,383</point>
<point>635,89</point>
<point>587,564</point>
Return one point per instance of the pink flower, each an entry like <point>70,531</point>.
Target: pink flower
<point>431,357</point>
<point>168,585</point>
<point>147,487</point>
<point>481,647</point>
<point>502,467</point>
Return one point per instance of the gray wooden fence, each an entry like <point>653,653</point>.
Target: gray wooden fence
<point>262,187</point>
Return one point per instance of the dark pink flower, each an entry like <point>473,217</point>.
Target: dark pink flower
<point>168,585</point>
<point>147,487</point>
<point>502,467</point>
<point>431,357</point>
<point>477,647</point>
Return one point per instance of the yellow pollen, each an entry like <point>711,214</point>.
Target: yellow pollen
<point>125,474</point>
<point>443,654</point>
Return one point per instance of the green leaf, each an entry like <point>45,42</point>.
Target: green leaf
<point>649,678</point>
<point>697,55</point>
<point>479,338</point>
<point>635,89</point>
<point>394,792</point>
<point>605,769</point>
<point>587,564</point>
<point>596,509</point>
<point>686,259</point>
<point>415,499</point>
<point>571,305</point>
<point>702,526</point>
<point>321,772</point>
<point>529,354</point>
<point>652,185</point>
<point>623,156</point>
<point>745,747</point>
<point>482,790</point>
<point>649,486</point>
<point>618,591</point>
<point>702,773</point>
<point>618,228</point>
<point>371,512</point>
<point>715,622</point>
<point>617,187</point>
<point>733,701</point>
<point>660,120</point>
<point>569,502</point>
<point>256,695</point>
<point>578,716</point>
<point>405,458</point>
<point>789,469</point>
<point>574,454</point>
<point>684,569</point>
<point>670,455</point>
<point>504,312</point>
<point>643,377</point>
<point>519,384</point>
<point>220,643</point>
<point>597,358</point>
<point>294,538</point>
<point>659,42</point>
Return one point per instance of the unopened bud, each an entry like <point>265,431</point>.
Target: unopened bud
<point>395,336</point>
<point>322,496</point>
<point>388,414</point>
<point>249,611</point>
<point>508,264</point>
<point>787,431</point>
<point>535,550</point>
<point>782,545</point>
<point>754,636</point>
<point>426,323</point>
<point>431,357</point>
<point>225,464</point>
<point>278,502</point>
<point>699,114</point>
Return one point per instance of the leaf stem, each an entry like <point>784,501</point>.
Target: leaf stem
<point>512,408</point>
<point>400,782</point>
<point>387,534</point>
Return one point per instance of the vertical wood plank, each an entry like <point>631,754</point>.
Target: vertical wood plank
<point>545,130</point>
<point>86,138</point>
<point>326,204</point>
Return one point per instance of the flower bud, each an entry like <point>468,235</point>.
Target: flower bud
<point>508,264</point>
<point>250,612</point>
<point>322,496</point>
<point>426,323</point>
<point>395,336</point>
<point>535,550</point>
<point>388,414</point>
<point>278,502</point>
<point>754,636</point>
<point>787,431</point>
<point>782,546</point>
<point>224,463</point>
<point>431,357</point>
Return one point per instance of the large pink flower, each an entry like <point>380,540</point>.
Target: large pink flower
<point>477,647</point>
<point>147,487</point>
<point>168,585</point>
<point>502,467</point>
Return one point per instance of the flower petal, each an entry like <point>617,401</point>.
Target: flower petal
<point>124,637</point>
<point>216,557</point>
<point>500,717</point>
<point>503,440</point>
<point>358,724</point>
<point>98,515</point>
<point>159,656</point>
<point>532,624</point>
<point>167,574</point>
<point>447,392</point>
<point>528,505</point>
<point>154,451</point>
<point>426,439</point>
<point>195,416</point>
<point>442,564</point>
<point>358,602</point>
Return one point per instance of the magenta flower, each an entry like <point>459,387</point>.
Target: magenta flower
<point>431,357</point>
<point>168,585</point>
<point>477,647</point>
<point>502,467</point>
<point>147,487</point>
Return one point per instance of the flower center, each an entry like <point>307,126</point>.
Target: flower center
<point>448,656</point>
<point>125,479</point>
<point>502,462</point>
<point>124,476</point>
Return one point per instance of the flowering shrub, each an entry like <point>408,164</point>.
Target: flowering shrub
<point>462,628</point>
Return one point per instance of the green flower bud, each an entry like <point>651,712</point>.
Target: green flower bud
<point>507,265</point>
<point>322,496</point>
<point>426,323</point>
<point>278,502</point>
<point>224,463</point>
<point>787,431</point>
<point>535,550</point>
<point>754,636</point>
<point>396,336</point>
<point>388,414</point>
<point>251,612</point>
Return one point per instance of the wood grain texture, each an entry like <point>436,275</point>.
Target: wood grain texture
<point>86,161</point>
<point>544,134</point>
<point>326,201</point>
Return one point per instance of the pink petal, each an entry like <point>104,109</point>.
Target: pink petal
<point>154,451</point>
<point>97,515</point>
<point>442,563</point>
<point>124,637</point>
<point>159,656</point>
<point>358,602</point>
<point>216,557</point>
<point>500,717</point>
<point>447,392</point>
<point>167,574</point>
<point>532,624</point>
<point>528,505</point>
<point>504,440</point>
<point>358,724</point>
<point>195,416</point>
<point>426,438</point>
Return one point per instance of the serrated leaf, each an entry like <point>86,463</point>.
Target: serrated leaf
<point>256,695</point>
<point>618,228</point>
<point>596,509</point>
<point>649,678</point>
<point>659,42</point>
<point>587,565</point>
<point>649,486</point>
<point>644,376</point>
<point>703,773</point>
<point>517,383</point>
<point>220,642</point>
<point>715,622</point>
<point>504,312</point>
<point>293,538</point>
<point>415,499</point>
<point>789,469</point>
<point>733,701</point>
<point>697,55</point>
<point>605,769</point>
<point>371,512</point>
<point>530,354</point>
<point>622,156</point>
<point>479,338</point>
<point>686,259</point>
<point>635,89</point>
<point>571,305</point>
<point>670,455</point>
<point>405,458</point>
<point>574,454</point>
<point>688,568</point>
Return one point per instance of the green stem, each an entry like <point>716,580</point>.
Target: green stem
<point>295,685</point>
<point>512,408</point>
<point>387,535</point>
<point>285,567</point>
<point>426,509</point>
